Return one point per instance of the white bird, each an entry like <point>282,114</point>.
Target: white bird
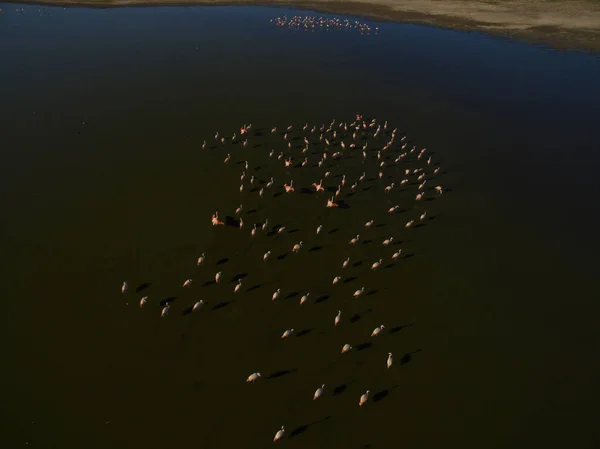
<point>253,377</point>
<point>387,242</point>
<point>420,196</point>
<point>253,232</point>
<point>346,263</point>
<point>287,333</point>
<point>338,318</point>
<point>304,298</point>
<point>279,435</point>
<point>276,294</point>
<point>218,277</point>
<point>396,254</point>
<point>124,287</point>
<point>242,188</point>
<point>391,210</point>
<point>266,256</point>
<point>197,305</point>
<point>389,188</point>
<point>354,241</point>
<point>439,189</point>
<point>422,217</point>
<point>409,224</point>
<point>319,229</point>
<point>238,286</point>
<point>297,247</point>
<point>280,230</point>
<point>201,259</point>
<point>389,360</point>
<point>364,398</point>
<point>346,348</point>
<point>359,292</point>
<point>336,280</point>
<point>264,225</point>
<point>165,310</point>
<point>376,264</point>
<point>319,392</point>
<point>238,210</point>
<point>377,331</point>
<point>143,301</point>
<point>368,224</point>
<point>187,283</point>
<point>241,223</point>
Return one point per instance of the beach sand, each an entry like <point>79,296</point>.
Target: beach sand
<point>559,24</point>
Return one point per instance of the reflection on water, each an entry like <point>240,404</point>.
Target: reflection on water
<point>103,179</point>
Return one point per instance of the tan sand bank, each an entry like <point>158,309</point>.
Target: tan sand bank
<point>560,24</point>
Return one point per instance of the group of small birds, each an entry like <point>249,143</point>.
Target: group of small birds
<point>311,23</point>
<point>339,139</point>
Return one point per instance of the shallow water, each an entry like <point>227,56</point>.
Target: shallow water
<point>103,179</point>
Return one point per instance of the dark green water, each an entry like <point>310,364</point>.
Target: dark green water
<point>103,180</point>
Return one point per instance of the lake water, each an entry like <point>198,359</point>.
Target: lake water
<point>102,179</point>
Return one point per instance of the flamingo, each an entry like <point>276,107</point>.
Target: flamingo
<point>227,159</point>
<point>261,192</point>
<point>346,263</point>
<point>338,318</point>
<point>409,224</point>
<point>238,286</point>
<point>297,247</point>
<point>215,220</point>
<point>253,377</point>
<point>218,277</point>
<point>264,225</point>
<point>289,188</point>
<point>388,242</point>
<point>388,188</point>
<point>187,283</point>
<point>391,210</point>
<point>422,217</point>
<point>439,189</point>
<point>270,183</point>
<point>280,230</point>
<point>368,224</point>
<point>124,287</point>
<point>319,392</point>
<point>319,187</point>
<point>280,434</point>
<point>287,333</point>
<point>396,254</point>
<point>201,259</point>
<point>165,311</point>
<point>359,292</point>
<point>276,294</point>
<point>376,264</point>
<point>253,232</point>
<point>241,223</point>
<point>420,196</point>
<point>364,398</point>
<point>389,360</point>
<point>377,331</point>
<point>304,298</point>
<point>330,203</point>
<point>241,188</point>
<point>197,305</point>
<point>143,301</point>
<point>336,280</point>
<point>354,241</point>
<point>239,210</point>
<point>319,228</point>
<point>346,348</point>
<point>266,256</point>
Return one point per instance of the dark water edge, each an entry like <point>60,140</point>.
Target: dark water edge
<point>500,295</point>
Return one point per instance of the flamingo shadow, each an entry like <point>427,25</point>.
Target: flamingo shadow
<point>339,390</point>
<point>301,429</point>
<point>221,305</point>
<point>321,299</point>
<point>350,279</point>
<point>395,329</point>
<point>406,358</point>
<point>169,300</point>
<point>282,373</point>
<point>363,346</point>
<point>222,261</point>
<point>142,287</point>
<point>304,332</point>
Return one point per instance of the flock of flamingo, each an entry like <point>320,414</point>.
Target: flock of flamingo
<point>392,154</point>
<point>311,23</point>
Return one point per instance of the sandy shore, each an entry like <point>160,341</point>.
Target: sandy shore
<point>560,24</point>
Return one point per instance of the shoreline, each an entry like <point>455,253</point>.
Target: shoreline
<point>564,25</point>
